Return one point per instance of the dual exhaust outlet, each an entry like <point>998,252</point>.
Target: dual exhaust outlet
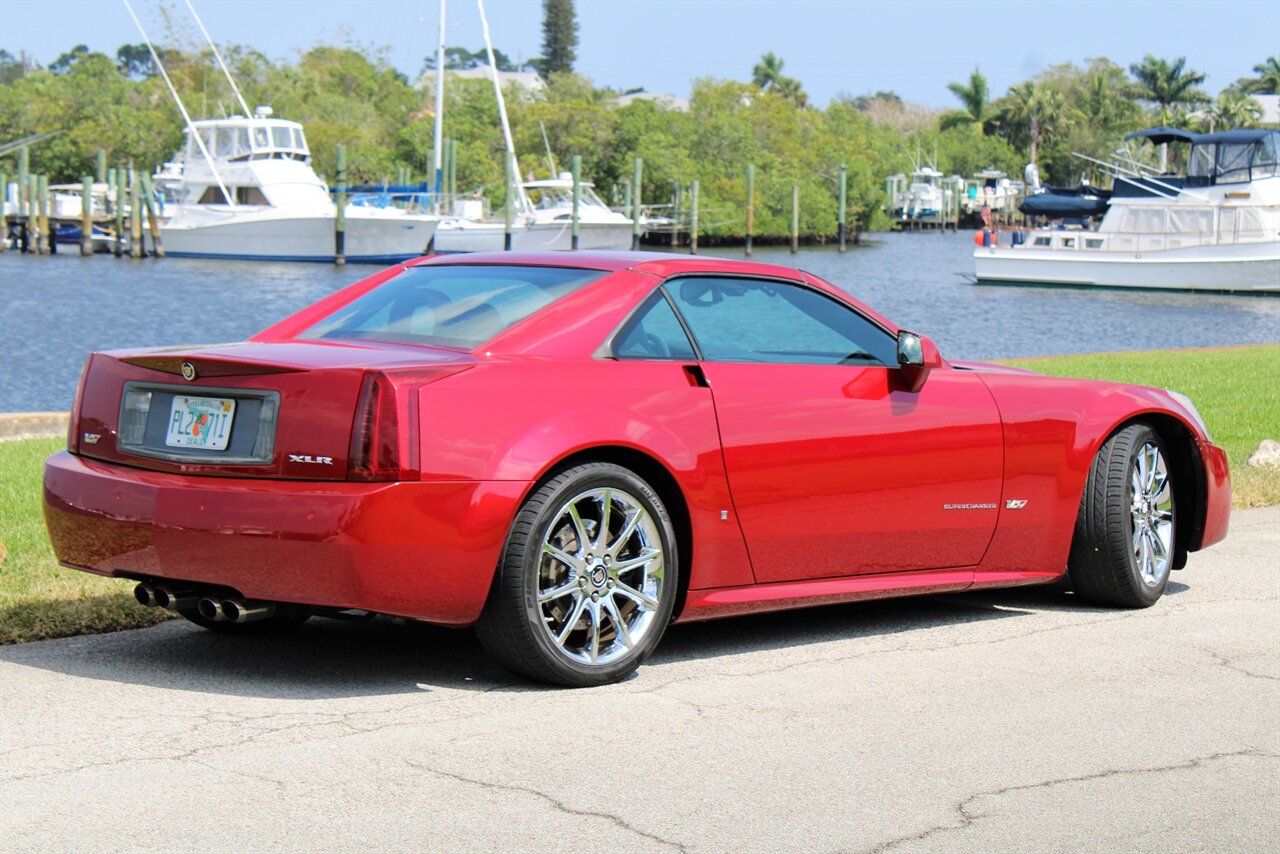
<point>215,609</point>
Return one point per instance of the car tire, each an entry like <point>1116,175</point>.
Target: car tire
<point>587,580</point>
<point>1124,541</point>
<point>287,616</point>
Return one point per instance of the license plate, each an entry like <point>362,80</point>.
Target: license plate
<point>200,422</point>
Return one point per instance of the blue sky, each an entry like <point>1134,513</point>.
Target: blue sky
<point>914,47</point>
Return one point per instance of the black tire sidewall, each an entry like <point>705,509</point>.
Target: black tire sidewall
<point>1120,521</point>
<point>582,479</point>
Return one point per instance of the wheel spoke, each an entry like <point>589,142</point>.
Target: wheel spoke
<point>635,595</point>
<point>646,556</point>
<point>594,649</point>
<point>578,607</point>
<point>558,592</point>
<point>579,530</point>
<point>566,559</point>
<point>1157,548</point>
<point>633,520</point>
<point>606,507</point>
<point>624,634</point>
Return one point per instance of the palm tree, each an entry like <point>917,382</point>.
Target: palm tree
<point>789,88</point>
<point>1268,80</point>
<point>1167,85</point>
<point>1041,108</point>
<point>974,97</point>
<point>1234,110</point>
<point>768,71</point>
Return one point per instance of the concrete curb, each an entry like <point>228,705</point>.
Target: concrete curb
<point>32,425</point>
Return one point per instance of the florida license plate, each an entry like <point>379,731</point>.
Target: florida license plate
<point>200,422</point>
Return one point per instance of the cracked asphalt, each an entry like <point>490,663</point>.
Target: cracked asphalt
<point>999,721</point>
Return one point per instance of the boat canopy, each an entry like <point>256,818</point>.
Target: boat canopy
<point>1226,157</point>
<point>238,139</point>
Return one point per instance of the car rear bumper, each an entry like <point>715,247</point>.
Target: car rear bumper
<point>424,550</point>
<point>1217,496</point>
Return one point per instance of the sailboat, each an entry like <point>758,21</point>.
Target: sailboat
<point>541,214</point>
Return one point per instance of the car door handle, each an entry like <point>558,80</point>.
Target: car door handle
<point>696,376</point>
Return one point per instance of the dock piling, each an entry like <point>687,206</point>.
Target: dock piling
<point>117,188</point>
<point>48,245</point>
<point>844,184</point>
<point>453,170</point>
<point>340,210</point>
<point>4,220</point>
<point>86,215</point>
<point>751,205</point>
<point>636,175</point>
<point>693,217</point>
<point>100,164</point>
<point>149,204</point>
<point>137,249</point>
<point>508,201</point>
<point>577,199</point>
<point>795,218</point>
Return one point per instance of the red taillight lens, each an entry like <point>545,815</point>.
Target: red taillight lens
<point>384,435</point>
<point>73,424</point>
<point>375,434</point>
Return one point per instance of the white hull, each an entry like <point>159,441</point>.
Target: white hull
<point>1243,267</point>
<point>370,236</point>
<point>467,236</point>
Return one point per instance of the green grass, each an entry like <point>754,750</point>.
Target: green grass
<point>38,598</point>
<point>1236,389</point>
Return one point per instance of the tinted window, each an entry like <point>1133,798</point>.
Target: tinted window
<point>744,320</point>
<point>653,333</point>
<point>459,306</point>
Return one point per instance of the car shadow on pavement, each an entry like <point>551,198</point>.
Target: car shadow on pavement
<point>327,659</point>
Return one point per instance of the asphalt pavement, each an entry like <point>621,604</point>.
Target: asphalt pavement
<point>1001,721</point>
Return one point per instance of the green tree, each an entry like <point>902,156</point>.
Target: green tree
<point>1234,109</point>
<point>10,67</point>
<point>974,96</point>
<point>1168,85</point>
<point>768,71</point>
<point>134,61</point>
<point>1036,111</point>
<point>63,63</point>
<point>1268,80</point>
<point>559,37</point>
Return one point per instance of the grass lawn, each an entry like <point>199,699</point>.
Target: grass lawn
<point>38,598</point>
<point>1236,391</point>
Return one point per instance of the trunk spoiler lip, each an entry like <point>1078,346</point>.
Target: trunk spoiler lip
<point>289,356</point>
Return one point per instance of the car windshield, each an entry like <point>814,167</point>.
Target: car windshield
<point>454,306</point>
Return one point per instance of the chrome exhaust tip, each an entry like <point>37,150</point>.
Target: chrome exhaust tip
<point>145,594</point>
<point>210,609</point>
<point>175,599</point>
<point>241,611</point>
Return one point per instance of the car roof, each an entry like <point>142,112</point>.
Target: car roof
<point>655,263</point>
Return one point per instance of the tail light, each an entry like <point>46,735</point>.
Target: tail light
<point>384,435</point>
<point>73,424</point>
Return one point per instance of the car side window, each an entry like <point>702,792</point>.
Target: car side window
<point>653,332</point>
<point>753,320</point>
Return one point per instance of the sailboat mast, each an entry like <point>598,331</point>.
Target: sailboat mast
<point>191,128</point>
<point>217,55</point>
<point>502,105</point>
<point>439,134</point>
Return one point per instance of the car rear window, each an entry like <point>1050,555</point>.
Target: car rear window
<point>453,306</point>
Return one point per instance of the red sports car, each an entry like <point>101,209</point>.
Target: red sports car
<point>569,451</point>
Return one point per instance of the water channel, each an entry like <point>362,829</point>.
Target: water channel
<point>54,310</point>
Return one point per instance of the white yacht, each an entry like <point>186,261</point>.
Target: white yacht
<point>255,196</point>
<point>993,189</point>
<point>542,222</point>
<point>1216,228</point>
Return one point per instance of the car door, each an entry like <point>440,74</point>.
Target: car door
<point>835,467</point>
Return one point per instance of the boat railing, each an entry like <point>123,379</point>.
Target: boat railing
<point>1132,241</point>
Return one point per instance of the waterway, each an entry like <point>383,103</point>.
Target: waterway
<point>55,310</point>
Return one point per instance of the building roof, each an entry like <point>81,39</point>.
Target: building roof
<point>663,100</point>
<point>529,80</point>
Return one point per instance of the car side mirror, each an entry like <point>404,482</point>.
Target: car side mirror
<point>917,355</point>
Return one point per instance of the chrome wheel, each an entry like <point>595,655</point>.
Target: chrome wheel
<point>1151,514</point>
<point>600,576</point>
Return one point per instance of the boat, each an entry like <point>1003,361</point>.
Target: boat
<point>256,196</point>
<point>1214,228</point>
<point>542,222</point>
<point>918,198</point>
<point>993,189</point>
